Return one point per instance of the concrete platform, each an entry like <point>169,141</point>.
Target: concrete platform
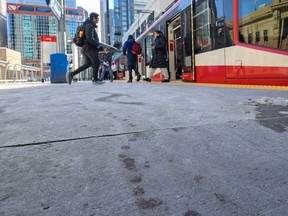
<point>142,148</point>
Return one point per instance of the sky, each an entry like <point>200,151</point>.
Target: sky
<point>89,5</point>
<point>247,6</point>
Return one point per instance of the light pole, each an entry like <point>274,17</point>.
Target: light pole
<point>62,29</point>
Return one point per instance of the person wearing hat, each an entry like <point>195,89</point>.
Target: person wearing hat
<point>89,49</point>
<point>132,58</point>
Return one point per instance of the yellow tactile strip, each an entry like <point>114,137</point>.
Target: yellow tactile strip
<point>279,88</point>
<point>265,87</point>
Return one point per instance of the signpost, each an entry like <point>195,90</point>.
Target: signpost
<point>48,43</point>
<point>59,11</point>
<point>55,7</point>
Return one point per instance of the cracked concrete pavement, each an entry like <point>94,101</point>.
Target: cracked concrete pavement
<point>142,149</point>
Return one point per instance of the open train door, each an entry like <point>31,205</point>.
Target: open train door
<point>174,47</point>
<point>187,65</point>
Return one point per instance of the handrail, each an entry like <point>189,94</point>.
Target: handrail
<point>12,70</point>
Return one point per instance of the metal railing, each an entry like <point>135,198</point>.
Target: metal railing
<point>10,72</point>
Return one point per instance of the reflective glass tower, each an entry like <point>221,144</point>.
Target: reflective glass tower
<point>68,3</point>
<point>125,13</point>
<point>3,24</point>
<point>27,23</point>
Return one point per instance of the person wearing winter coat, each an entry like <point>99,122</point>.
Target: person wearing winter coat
<point>89,50</point>
<point>159,56</point>
<point>132,58</point>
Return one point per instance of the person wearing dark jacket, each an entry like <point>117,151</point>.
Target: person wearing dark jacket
<point>89,49</point>
<point>132,58</point>
<point>107,64</point>
<point>159,57</point>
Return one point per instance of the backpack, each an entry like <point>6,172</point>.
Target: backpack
<point>79,37</point>
<point>136,48</point>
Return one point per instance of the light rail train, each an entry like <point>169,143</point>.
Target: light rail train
<point>222,41</point>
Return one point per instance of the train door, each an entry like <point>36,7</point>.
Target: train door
<point>187,35</point>
<point>174,48</point>
<point>147,46</point>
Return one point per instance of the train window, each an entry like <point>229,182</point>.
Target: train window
<point>200,5</point>
<point>213,24</point>
<point>264,16</point>
<point>149,42</point>
<point>201,28</point>
<point>228,22</point>
<point>186,33</point>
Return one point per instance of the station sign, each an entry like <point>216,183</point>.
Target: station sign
<point>55,7</point>
<point>48,47</point>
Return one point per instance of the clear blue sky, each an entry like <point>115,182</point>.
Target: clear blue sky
<point>247,6</point>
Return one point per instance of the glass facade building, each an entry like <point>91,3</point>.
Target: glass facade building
<point>125,13</point>
<point>68,3</point>
<point>26,23</point>
<point>105,21</point>
<point>3,24</point>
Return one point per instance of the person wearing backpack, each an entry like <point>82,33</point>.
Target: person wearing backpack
<point>132,58</point>
<point>89,49</point>
<point>159,57</point>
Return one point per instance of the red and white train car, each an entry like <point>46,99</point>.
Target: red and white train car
<point>223,41</point>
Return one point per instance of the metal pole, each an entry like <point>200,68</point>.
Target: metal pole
<point>64,26</point>
<point>61,29</point>
<point>42,68</point>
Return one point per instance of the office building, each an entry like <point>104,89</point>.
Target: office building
<point>68,3</point>
<point>3,24</point>
<point>125,13</point>
<point>26,23</point>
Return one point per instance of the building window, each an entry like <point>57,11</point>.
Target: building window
<point>250,38</point>
<point>265,33</point>
<point>257,37</point>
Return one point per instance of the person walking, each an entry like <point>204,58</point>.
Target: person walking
<point>107,64</point>
<point>159,56</point>
<point>89,50</point>
<point>132,58</point>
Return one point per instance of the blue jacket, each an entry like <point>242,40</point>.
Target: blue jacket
<point>127,47</point>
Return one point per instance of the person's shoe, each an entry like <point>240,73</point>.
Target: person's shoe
<point>165,80</point>
<point>138,77</point>
<point>69,77</point>
<point>147,79</point>
<point>129,81</point>
<point>111,80</point>
<point>98,82</point>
